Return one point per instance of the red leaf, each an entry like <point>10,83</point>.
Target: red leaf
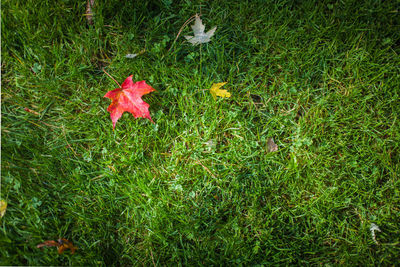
<point>128,98</point>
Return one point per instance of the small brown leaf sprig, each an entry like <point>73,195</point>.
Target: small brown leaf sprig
<point>62,244</point>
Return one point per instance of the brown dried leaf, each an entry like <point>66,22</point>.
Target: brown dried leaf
<point>66,244</point>
<point>48,243</point>
<point>62,244</point>
<point>31,111</point>
<point>272,147</point>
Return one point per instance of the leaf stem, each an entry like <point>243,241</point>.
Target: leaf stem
<point>119,86</point>
<point>181,29</point>
<point>201,60</point>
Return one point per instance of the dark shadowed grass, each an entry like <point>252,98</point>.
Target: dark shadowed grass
<point>199,187</point>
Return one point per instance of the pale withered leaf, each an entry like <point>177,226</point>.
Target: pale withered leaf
<point>200,37</point>
<point>374,228</point>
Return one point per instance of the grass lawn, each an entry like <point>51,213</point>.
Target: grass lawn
<point>199,187</point>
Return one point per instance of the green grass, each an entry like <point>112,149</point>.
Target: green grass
<point>322,79</point>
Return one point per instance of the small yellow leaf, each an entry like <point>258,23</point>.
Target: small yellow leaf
<point>3,207</point>
<point>215,91</point>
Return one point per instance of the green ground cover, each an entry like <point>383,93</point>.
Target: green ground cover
<point>199,186</point>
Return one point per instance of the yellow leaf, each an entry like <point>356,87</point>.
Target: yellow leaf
<point>3,207</point>
<point>215,91</point>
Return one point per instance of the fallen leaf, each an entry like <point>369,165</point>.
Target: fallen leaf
<point>36,68</point>
<point>3,208</point>
<point>135,55</point>
<point>271,145</point>
<point>31,111</point>
<point>131,55</point>
<point>200,37</point>
<point>128,98</point>
<point>62,244</point>
<point>215,91</point>
<point>374,228</point>
<point>66,244</point>
<point>48,243</point>
<point>210,143</point>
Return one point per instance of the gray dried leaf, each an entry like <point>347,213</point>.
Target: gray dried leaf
<point>210,143</point>
<point>374,228</point>
<point>200,37</point>
<point>271,145</point>
<point>131,55</point>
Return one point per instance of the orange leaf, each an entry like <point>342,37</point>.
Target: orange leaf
<point>62,245</point>
<point>65,244</point>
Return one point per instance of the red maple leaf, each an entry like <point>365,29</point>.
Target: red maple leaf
<point>128,98</point>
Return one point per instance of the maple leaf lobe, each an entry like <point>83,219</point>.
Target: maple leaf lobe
<point>128,98</point>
